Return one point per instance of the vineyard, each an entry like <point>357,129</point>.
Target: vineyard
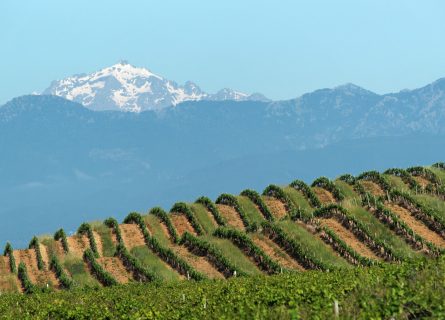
<point>300,250</point>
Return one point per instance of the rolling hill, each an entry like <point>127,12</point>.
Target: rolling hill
<point>367,220</point>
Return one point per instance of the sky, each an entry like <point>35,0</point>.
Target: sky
<point>281,48</point>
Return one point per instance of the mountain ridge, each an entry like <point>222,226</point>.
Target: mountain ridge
<point>125,87</point>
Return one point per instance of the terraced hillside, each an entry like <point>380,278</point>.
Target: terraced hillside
<point>369,219</point>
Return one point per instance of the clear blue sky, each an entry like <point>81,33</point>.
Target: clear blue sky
<point>280,48</point>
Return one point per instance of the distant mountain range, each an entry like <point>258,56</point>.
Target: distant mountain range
<point>315,119</point>
<point>125,87</point>
<point>63,163</point>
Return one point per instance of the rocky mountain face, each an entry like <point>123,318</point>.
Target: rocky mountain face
<point>124,87</point>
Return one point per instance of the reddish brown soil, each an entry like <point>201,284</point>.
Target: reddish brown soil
<point>349,238</point>
<point>232,217</point>
<point>115,268</point>
<point>4,265</point>
<point>324,195</point>
<point>58,249</point>
<point>28,257</point>
<point>77,245</point>
<point>372,188</point>
<point>36,276</point>
<point>422,181</point>
<point>417,226</point>
<point>275,253</point>
<point>199,263</point>
<point>132,235</point>
<point>181,224</point>
<point>276,207</point>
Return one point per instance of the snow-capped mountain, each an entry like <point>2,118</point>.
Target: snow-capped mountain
<point>128,88</point>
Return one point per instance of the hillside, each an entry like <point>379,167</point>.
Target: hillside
<point>367,220</point>
<point>58,154</point>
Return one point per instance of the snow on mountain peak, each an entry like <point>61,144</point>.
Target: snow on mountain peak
<point>125,87</point>
<point>125,71</point>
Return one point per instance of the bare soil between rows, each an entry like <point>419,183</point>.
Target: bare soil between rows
<point>372,188</point>
<point>417,226</point>
<point>115,267</point>
<point>324,195</point>
<point>276,207</point>
<point>181,224</point>
<point>277,254</point>
<point>349,238</point>
<point>199,263</point>
<point>232,216</point>
<point>131,235</point>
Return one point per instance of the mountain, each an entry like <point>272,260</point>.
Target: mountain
<point>63,164</point>
<point>127,88</point>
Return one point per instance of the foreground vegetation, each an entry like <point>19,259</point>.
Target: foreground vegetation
<point>405,291</point>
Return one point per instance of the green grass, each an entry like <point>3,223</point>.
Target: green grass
<point>396,182</point>
<point>298,199</point>
<point>251,210</point>
<point>234,255</point>
<point>107,243</point>
<point>346,189</point>
<point>316,247</point>
<point>156,229</point>
<point>153,263</point>
<point>382,232</point>
<point>431,202</point>
<point>77,269</point>
<point>439,172</point>
<point>203,217</point>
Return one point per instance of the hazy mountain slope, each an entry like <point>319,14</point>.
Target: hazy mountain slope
<point>62,164</point>
<point>419,110</point>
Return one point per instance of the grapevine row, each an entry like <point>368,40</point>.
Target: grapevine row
<point>164,253</point>
<point>212,253</point>
<point>230,200</point>
<point>250,249</point>
<point>255,197</point>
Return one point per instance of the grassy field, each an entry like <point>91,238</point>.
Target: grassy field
<point>204,218</point>
<point>150,261</point>
<point>315,247</point>
<point>235,255</point>
<point>251,210</point>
